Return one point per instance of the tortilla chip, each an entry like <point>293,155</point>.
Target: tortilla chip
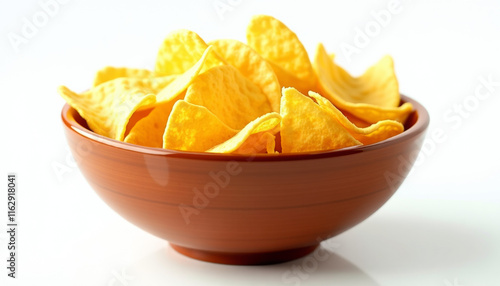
<point>305,126</point>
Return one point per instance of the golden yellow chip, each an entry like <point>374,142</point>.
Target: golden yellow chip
<point>252,66</point>
<point>148,131</point>
<point>252,139</point>
<point>194,128</point>
<point>282,48</point>
<point>270,142</point>
<point>158,83</point>
<point>182,81</point>
<point>110,73</point>
<point>259,143</point>
<point>372,97</point>
<point>230,97</point>
<point>357,121</point>
<point>108,107</point>
<point>305,126</point>
<point>181,50</point>
<point>379,131</point>
<point>234,99</point>
<point>377,86</point>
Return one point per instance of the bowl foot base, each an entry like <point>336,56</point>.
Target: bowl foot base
<point>245,258</point>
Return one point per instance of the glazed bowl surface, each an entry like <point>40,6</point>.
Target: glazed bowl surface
<point>244,209</point>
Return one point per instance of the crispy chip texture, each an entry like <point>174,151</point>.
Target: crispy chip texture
<point>259,143</point>
<point>270,140</point>
<point>108,107</point>
<point>252,139</point>
<point>149,130</point>
<point>155,83</point>
<point>305,126</point>
<point>357,121</point>
<point>229,95</point>
<point>182,81</point>
<point>364,97</point>
<point>180,50</point>
<point>110,73</point>
<point>377,86</point>
<point>235,98</point>
<point>252,66</point>
<point>374,133</point>
<point>282,48</point>
<point>138,115</point>
<point>288,79</point>
<point>194,128</point>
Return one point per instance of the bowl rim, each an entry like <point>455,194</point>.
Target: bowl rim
<point>421,124</point>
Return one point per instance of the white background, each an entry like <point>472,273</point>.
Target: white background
<point>442,227</point>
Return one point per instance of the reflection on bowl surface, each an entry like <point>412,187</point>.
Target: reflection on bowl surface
<point>242,209</point>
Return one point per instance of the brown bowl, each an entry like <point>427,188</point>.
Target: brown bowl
<point>241,209</point>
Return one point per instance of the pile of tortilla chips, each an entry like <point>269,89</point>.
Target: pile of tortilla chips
<point>225,96</point>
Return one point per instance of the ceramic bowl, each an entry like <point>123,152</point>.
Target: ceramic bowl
<point>238,209</point>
